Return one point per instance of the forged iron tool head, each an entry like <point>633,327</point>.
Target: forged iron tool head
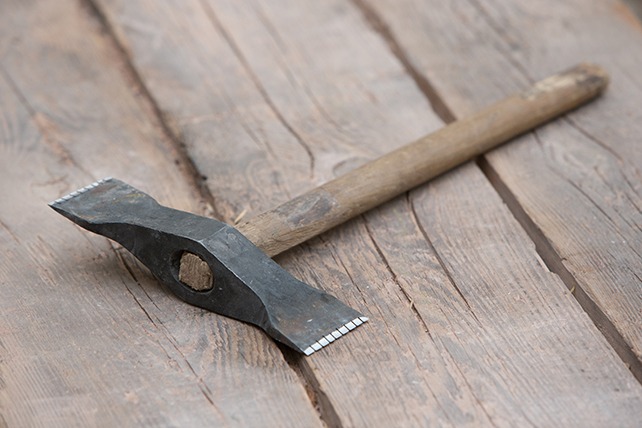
<point>247,285</point>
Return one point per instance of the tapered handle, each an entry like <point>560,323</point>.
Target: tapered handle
<point>378,181</point>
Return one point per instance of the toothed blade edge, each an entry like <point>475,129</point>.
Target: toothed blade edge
<point>334,335</point>
<point>80,191</point>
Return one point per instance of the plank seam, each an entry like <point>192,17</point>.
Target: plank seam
<point>436,101</point>
<point>325,411</point>
<point>544,248</point>
<point>553,260</point>
<point>156,116</point>
<point>318,399</point>
<point>67,157</point>
<point>555,264</point>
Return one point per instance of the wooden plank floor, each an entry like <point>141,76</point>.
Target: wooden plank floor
<point>507,292</point>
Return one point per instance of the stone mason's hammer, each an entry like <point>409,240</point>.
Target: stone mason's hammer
<point>229,271</point>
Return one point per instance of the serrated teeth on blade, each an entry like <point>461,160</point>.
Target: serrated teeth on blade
<point>331,337</point>
<point>79,191</point>
<point>351,325</point>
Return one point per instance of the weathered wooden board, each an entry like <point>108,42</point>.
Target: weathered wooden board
<point>86,337</point>
<point>273,98</point>
<point>576,184</point>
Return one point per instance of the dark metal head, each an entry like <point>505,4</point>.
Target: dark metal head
<point>247,285</point>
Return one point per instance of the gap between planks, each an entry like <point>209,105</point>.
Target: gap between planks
<point>184,162</point>
<point>318,399</point>
<point>379,27</point>
<point>553,261</point>
<point>555,264</point>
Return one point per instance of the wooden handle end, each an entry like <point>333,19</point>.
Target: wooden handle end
<point>585,80</point>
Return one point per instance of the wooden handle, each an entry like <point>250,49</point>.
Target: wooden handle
<point>376,182</point>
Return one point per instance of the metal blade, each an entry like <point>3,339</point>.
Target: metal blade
<point>248,285</point>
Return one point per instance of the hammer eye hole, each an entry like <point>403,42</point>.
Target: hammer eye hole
<point>194,272</point>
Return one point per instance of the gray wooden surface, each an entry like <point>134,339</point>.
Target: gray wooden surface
<point>507,292</point>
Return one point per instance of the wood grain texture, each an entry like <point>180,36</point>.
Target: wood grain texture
<point>195,272</point>
<point>576,184</point>
<point>272,99</point>
<point>87,338</point>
